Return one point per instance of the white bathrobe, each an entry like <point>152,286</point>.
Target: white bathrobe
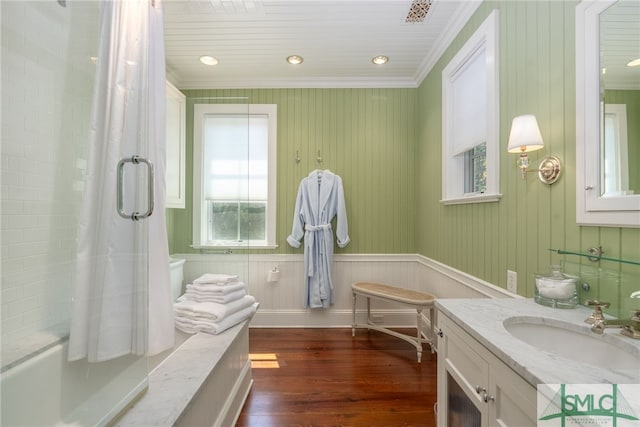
<point>320,199</point>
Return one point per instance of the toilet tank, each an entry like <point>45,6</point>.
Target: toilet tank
<point>176,268</point>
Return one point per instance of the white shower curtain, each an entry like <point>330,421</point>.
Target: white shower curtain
<point>122,299</point>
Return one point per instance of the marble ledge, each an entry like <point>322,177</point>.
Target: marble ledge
<point>177,379</point>
<point>483,319</point>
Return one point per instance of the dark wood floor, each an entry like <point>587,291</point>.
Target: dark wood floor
<point>327,378</point>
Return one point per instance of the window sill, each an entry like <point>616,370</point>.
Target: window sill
<point>232,247</point>
<point>476,198</point>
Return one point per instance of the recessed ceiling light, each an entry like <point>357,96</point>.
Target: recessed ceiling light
<point>295,59</point>
<point>634,63</point>
<point>208,60</point>
<point>380,59</point>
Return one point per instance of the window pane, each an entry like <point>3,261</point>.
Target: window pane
<point>475,169</point>
<point>223,221</point>
<point>480,168</point>
<point>252,216</point>
<point>233,221</point>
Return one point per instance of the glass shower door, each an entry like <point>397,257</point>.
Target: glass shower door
<point>49,61</point>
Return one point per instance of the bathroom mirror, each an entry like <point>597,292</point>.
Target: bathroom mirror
<point>620,96</point>
<point>607,93</point>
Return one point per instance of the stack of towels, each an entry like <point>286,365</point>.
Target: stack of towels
<point>213,303</point>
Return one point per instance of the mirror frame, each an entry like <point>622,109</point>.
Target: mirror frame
<point>591,207</point>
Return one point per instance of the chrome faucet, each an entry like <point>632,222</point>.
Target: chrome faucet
<point>630,327</point>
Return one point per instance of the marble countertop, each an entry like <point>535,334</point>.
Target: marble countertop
<point>483,319</point>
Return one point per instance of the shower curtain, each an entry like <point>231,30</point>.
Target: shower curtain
<point>122,299</point>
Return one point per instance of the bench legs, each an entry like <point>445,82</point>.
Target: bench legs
<point>417,341</point>
<point>353,311</point>
<point>419,338</point>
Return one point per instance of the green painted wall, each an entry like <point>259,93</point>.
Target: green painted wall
<point>537,75</point>
<point>367,136</point>
<point>386,144</point>
<point>631,98</point>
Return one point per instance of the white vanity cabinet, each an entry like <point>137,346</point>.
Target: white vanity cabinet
<point>475,388</point>
<point>175,140</point>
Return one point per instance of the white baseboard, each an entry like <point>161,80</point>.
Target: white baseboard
<point>321,318</point>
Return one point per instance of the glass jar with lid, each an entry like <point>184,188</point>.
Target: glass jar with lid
<point>556,289</point>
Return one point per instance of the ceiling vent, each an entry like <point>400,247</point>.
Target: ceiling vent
<point>418,10</point>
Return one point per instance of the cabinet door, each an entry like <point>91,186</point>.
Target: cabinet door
<point>175,140</point>
<point>515,399</point>
<point>463,376</point>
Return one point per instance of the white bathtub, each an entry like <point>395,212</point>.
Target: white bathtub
<point>46,390</point>
<point>204,380</point>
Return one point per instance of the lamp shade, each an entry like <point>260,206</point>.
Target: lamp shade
<point>525,135</point>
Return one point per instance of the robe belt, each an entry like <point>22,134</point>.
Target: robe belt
<point>308,227</point>
<point>309,239</point>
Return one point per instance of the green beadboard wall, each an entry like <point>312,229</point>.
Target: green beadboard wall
<point>630,98</point>
<point>537,75</point>
<point>367,136</point>
<point>386,145</point>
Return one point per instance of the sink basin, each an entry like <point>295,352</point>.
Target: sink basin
<point>575,342</point>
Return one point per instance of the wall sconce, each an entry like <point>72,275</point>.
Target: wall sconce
<point>525,137</point>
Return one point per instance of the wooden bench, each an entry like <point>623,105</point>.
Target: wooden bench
<point>415,299</point>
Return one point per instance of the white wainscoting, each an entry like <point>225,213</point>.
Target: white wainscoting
<point>281,302</point>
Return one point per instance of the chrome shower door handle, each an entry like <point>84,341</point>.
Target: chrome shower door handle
<point>135,216</point>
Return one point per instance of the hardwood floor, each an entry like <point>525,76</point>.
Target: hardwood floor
<point>326,377</point>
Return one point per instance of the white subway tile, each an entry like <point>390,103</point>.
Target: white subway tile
<point>10,295</point>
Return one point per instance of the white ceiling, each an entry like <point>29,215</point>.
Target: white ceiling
<point>620,43</point>
<point>337,38</point>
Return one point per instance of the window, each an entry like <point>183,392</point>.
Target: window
<point>470,139</point>
<point>234,175</point>
<point>475,169</point>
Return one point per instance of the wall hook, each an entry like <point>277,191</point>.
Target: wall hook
<point>297,157</point>
<point>319,158</point>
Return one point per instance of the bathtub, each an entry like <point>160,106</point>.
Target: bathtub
<point>47,390</point>
<point>203,380</point>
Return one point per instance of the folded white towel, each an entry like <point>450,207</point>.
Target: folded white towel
<point>207,297</point>
<point>216,278</point>
<point>212,311</point>
<point>216,289</point>
<point>192,326</point>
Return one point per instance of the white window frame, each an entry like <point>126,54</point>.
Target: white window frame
<point>618,115</point>
<point>199,202</point>
<point>485,37</point>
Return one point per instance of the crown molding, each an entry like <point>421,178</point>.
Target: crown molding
<point>462,14</point>
<point>324,83</point>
